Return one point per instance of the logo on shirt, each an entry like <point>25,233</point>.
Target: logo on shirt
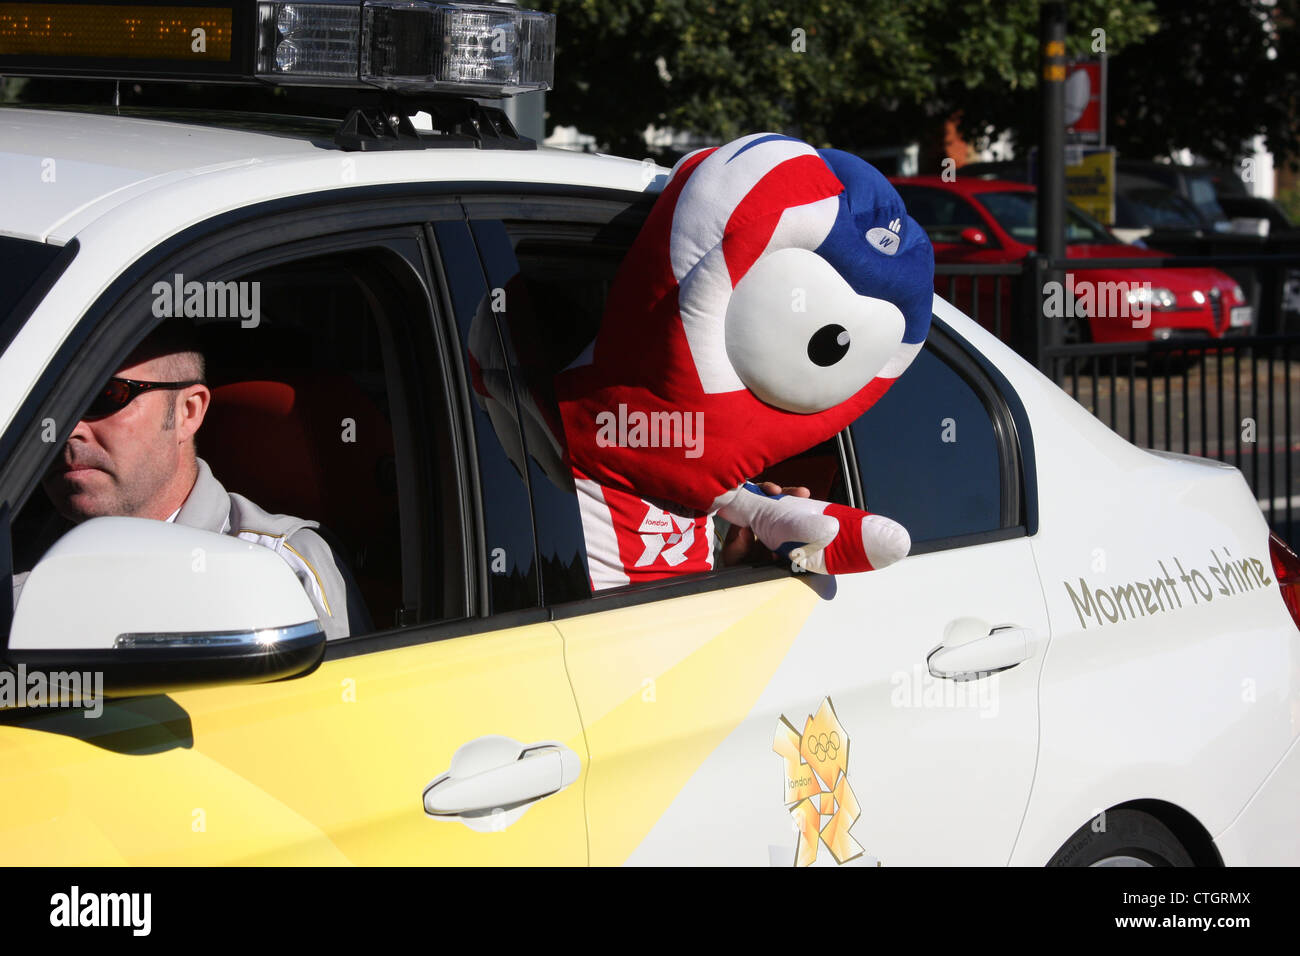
<point>665,536</point>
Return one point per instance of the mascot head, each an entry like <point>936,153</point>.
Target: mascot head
<point>774,293</point>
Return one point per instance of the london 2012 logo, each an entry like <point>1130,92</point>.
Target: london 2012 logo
<point>817,785</point>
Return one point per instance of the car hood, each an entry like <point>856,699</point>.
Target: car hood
<point>1175,279</point>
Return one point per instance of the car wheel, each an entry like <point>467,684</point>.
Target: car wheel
<point>1076,329</point>
<point>1131,838</point>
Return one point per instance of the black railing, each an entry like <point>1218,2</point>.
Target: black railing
<point>1231,400</point>
<point>1234,398</point>
<point>987,293</point>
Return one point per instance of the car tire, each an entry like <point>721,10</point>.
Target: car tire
<point>1131,838</point>
<point>1076,329</point>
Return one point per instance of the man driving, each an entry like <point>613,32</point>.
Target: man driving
<point>134,455</point>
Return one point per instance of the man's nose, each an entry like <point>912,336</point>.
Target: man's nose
<point>81,431</point>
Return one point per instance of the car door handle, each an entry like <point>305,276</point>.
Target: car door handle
<point>1001,647</point>
<point>500,776</point>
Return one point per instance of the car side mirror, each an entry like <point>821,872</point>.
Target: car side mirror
<point>1249,226</point>
<point>157,608</point>
<point>973,236</point>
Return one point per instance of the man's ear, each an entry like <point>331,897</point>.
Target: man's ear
<point>192,408</point>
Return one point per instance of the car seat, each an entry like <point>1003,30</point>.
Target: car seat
<point>314,445</point>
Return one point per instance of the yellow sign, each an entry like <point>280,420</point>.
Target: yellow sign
<point>111,31</point>
<point>817,785</point>
<point>1090,184</point>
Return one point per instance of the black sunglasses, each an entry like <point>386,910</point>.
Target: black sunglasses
<point>118,393</point>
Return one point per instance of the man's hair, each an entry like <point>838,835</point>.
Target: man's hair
<point>174,342</point>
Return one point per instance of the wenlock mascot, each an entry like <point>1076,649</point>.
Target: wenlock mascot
<point>773,295</point>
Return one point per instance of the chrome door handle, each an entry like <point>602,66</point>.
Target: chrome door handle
<point>494,779</point>
<point>1000,648</point>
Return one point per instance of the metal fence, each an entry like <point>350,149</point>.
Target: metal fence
<point>1232,398</point>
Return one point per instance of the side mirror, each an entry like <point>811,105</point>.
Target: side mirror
<point>974,237</point>
<point>1249,226</point>
<point>157,607</point>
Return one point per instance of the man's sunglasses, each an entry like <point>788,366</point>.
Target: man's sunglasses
<point>121,392</point>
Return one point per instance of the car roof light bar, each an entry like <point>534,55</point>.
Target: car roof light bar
<point>402,46</point>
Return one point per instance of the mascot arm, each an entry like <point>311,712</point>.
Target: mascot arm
<point>816,535</point>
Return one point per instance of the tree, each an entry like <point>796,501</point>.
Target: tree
<point>848,73</point>
<point>1213,76</point>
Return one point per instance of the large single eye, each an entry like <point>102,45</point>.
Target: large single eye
<point>828,345</point>
<point>801,339</point>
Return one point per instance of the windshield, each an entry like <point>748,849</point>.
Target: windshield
<point>22,264</point>
<point>1203,196</point>
<point>1156,207</point>
<point>1017,213</point>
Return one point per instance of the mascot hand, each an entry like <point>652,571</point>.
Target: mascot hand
<point>815,535</point>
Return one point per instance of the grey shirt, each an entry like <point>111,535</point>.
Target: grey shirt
<point>325,579</point>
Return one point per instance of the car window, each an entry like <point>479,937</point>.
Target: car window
<point>1017,213</point>
<point>310,370</point>
<point>1156,207</point>
<point>942,214</point>
<point>1201,191</point>
<point>550,291</point>
<point>553,278</point>
<point>23,265</point>
<point>927,454</point>
<point>514,581</point>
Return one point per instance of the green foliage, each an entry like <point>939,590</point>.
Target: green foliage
<point>849,73</point>
<point>1290,201</point>
<point>1206,81</point>
<point>886,72</point>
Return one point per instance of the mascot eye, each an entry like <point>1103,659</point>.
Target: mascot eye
<point>828,345</point>
<point>801,339</point>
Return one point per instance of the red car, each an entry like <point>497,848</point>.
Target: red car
<point>983,221</point>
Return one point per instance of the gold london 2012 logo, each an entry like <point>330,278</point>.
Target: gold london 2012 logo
<point>817,785</point>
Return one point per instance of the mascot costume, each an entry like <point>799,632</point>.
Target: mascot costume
<point>772,296</point>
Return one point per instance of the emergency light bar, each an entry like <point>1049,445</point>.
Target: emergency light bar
<point>407,46</point>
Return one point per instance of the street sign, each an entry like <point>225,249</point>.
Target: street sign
<point>1089,179</point>
<point>1085,102</point>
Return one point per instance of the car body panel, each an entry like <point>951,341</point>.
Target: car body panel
<point>323,769</point>
<point>941,770</point>
<point>1109,512</point>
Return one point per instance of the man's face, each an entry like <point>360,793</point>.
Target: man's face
<point>128,463</point>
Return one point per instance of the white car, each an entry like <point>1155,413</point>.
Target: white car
<point>1090,657</point>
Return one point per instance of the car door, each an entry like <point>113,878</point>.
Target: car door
<point>461,685</point>
<point>811,725</point>
<point>699,695</point>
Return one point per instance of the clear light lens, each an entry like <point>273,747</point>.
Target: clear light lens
<point>471,48</point>
<point>288,20</point>
<point>1198,297</point>
<point>309,41</point>
<point>286,56</point>
<point>1237,293</point>
<point>408,45</point>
